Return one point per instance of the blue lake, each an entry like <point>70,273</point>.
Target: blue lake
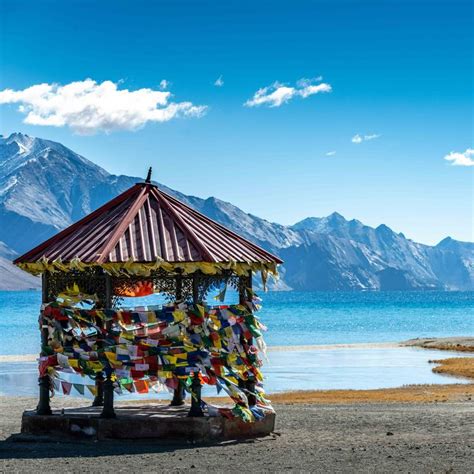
<point>298,318</point>
<point>342,368</point>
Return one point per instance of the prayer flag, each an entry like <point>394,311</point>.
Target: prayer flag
<point>79,387</point>
<point>66,387</point>
<point>141,386</point>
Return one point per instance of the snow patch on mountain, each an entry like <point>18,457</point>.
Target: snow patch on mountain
<point>44,187</point>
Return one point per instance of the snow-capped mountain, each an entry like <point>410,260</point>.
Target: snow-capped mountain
<point>45,186</point>
<point>378,252</point>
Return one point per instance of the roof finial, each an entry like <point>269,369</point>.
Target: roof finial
<point>148,176</point>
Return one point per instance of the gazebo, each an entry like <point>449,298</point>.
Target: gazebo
<point>142,242</point>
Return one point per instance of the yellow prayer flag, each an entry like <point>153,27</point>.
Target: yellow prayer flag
<point>179,316</point>
<point>151,317</point>
<point>111,356</point>
<point>166,374</point>
<point>96,366</point>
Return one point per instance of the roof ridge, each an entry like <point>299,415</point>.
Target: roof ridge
<point>159,195</point>
<point>148,224</point>
<point>124,223</point>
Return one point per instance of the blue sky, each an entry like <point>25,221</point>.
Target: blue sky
<point>401,70</point>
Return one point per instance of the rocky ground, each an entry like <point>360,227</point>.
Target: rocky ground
<point>393,437</point>
<point>459,344</point>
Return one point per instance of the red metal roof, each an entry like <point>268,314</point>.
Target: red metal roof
<point>144,224</point>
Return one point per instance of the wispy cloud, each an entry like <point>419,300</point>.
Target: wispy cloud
<point>278,94</point>
<point>88,107</point>
<point>164,84</point>
<point>219,82</point>
<point>363,138</point>
<point>461,159</point>
<point>331,153</point>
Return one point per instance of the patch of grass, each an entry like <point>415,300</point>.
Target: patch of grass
<point>450,347</point>
<point>457,366</point>
<point>407,394</point>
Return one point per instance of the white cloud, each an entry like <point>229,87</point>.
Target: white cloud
<point>371,137</point>
<point>305,82</point>
<point>330,153</point>
<point>164,84</point>
<point>219,82</point>
<point>461,159</point>
<point>88,107</point>
<point>363,138</point>
<point>278,94</point>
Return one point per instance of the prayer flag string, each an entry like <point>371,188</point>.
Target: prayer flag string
<point>154,349</point>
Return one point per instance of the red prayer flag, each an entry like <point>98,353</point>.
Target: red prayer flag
<point>141,386</point>
<point>136,374</point>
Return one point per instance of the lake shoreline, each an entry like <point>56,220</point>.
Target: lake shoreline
<point>457,343</point>
<point>328,372</point>
<point>316,347</point>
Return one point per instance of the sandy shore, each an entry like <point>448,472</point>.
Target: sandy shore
<point>19,358</point>
<point>309,438</point>
<point>420,428</point>
<point>321,347</point>
<point>459,344</point>
<point>330,347</point>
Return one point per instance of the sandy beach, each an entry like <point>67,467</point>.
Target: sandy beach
<point>319,347</point>
<point>422,428</point>
<point>317,438</point>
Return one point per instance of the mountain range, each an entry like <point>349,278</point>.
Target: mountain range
<point>45,186</point>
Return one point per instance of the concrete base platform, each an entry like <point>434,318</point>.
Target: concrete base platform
<point>156,422</point>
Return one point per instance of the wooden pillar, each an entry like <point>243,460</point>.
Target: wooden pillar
<point>108,385</point>
<point>178,393</point>
<point>242,291</point>
<point>245,282</point>
<point>108,410</point>
<point>109,291</point>
<point>179,288</point>
<point>242,301</point>
<point>44,381</point>
<point>249,384</point>
<point>99,387</point>
<point>44,287</point>
<point>99,378</point>
<point>196,409</point>
<point>195,288</point>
